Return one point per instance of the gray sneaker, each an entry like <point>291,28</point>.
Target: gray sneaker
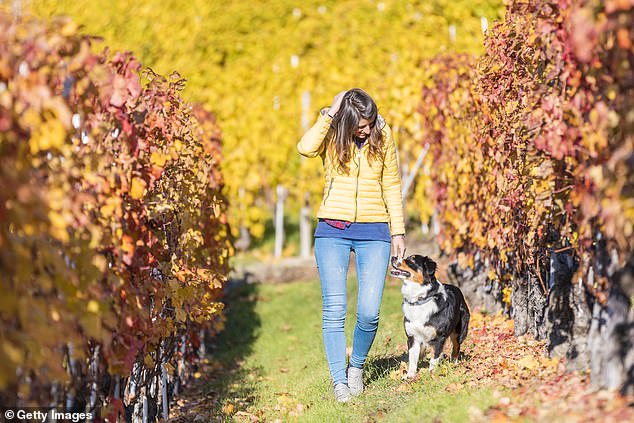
<point>342,392</point>
<point>355,380</point>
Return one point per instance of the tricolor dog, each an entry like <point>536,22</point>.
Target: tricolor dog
<point>433,311</point>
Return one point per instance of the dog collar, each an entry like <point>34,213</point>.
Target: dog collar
<point>420,301</point>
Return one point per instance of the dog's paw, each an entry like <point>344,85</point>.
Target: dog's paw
<point>434,361</point>
<point>409,376</point>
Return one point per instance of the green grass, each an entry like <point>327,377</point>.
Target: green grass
<point>273,349</point>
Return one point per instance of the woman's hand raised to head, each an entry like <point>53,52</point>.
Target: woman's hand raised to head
<point>336,103</point>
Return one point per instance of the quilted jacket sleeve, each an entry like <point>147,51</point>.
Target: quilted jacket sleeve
<point>391,182</point>
<point>312,143</point>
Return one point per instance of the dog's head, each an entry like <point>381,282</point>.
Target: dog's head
<point>415,268</point>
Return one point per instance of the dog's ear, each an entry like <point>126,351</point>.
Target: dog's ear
<point>419,261</point>
<point>430,266</point>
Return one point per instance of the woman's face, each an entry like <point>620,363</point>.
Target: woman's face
<point>364,128</point>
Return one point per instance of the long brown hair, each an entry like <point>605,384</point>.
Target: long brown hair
<point>356,105</point>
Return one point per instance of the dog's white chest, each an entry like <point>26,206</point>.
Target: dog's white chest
<point>417,315</point>
<point>417,318</point>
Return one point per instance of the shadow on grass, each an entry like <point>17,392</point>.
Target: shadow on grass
<point>380,367</point>
<point>228,387</point>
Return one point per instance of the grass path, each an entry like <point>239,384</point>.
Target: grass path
<point>268,365</point>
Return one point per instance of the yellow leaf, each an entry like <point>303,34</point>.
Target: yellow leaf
<point>100,262</point>
<point>28,229</point>
<point>58,226</point>
<point>453,387</point>
<point>181,316</point>
<point>148,361</point>
<point>527,362</point>
<point>611,94</point>
<point>137,188</point>
<point>108,209</point>
<point>14,354</point>
<point>93,306</point>
<point>51,134</point>
<point>506,295</point>
<point>69,29</point>
<point>159,159</point>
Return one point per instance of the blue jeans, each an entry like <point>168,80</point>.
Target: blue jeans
<point>333,256</point>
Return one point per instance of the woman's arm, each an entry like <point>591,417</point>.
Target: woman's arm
<point>312,142</point>
<point>391,181</point>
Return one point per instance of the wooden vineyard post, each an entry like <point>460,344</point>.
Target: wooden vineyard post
<point>279,220</point>
<point>305,238</point>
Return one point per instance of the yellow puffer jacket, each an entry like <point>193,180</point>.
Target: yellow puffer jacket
<point>369,192</point>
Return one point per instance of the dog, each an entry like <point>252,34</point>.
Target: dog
<point>433,311</point>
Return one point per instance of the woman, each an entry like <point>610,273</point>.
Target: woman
<point>361,211</point>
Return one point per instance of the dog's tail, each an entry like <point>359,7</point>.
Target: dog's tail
<point>465,316</point>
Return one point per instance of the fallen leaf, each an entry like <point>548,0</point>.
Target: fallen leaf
<point>527,362</point>
<point>454,387</point>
